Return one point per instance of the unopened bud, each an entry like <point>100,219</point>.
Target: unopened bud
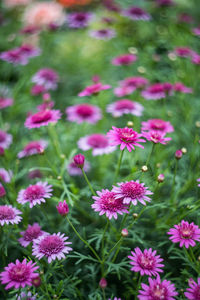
<point>124,232</point>
<point>132,50</point>
<point>103,283</point>
<point>178,154</point>
<point>130,124</point>
<point>172,56</point>
<point>197,124</point>
<point>141,70</point>
<point>55,296</point>
<point>62,208</point>
<point>62,156</point>
<point>160,178</point>
<point>198,258</point>
<point>41,272</point>
<point>79,160</point>
<point>36,281</point>
<point>158,165</point>
<point>144,168</point>
<point>135,215</point>
<point>59,177</point>
<point>184,150</point>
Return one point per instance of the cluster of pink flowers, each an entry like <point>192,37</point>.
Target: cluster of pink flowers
<point>129,85</point>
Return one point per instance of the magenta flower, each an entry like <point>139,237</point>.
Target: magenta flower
<point>103,283</point>
<point>196,31</point>
<point>157,137</point>
<point>14,56</point>
<point>103,34</point>
<point>47,78</point>
<point>136,14</point>
<point>122,91</point>
<point>198,180</point>
<point>132,191</point>
<point>125,137</point>
<point>73,170</point>
<point>147,262</point>
<point>179,87</point>
<point>164,3</point>
<point>51,246</point>
<point>178,154</point>
<point>2,190</point>
<point>129,85</point>
<point>99,144</point>
<point>19,274</point>
<point>5,175</point>
<point>29,50</point>
<point>94,89</point>
<point>184,52</point>
<point>5,139</point>
<point>107,203</point>
<point>62,208</point>
<point>193,292</point>
<point>157,125</point>
<point>125,106</point>
<point>79,160</point>
<point>79,19</point>
<point>5,102</point>
<point>31,233</point>
<point>154,92</point>
<point>125,59</point>
<point>32,148</point>
<point>9,214</point>
<point>38,89</point>
<point>196,59</point>
<point>42,118</point>
<point>46,104</point>
<point>184,233</point>
<point>83,113</point>
<point>185,18</point>
<point>35,194</point>
<point>157,290</point>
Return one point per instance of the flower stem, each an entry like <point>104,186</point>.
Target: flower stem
<point>174,182</point>
<point>118,165</point>
<point>150,154</point>
<point>102,246</point>
<point>89,184</point>
<point>54,139</point>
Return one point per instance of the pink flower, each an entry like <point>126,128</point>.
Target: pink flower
<point>79,19</point>
<point>122,91</point>
<point>35,194</point>
<point>83,113</point>
<point>185,18</point>
<point>32,148</point>
<point>132,191</point>
<point>94,89</point>
<point>157,290</point>
<point>2,191</point>
<point>19,274</point>
<point>14,56</point>
<point>5,175</point>
<point>136,14</point>
<point>156,137</point>
<point>125,59</point>
<point>31,233</point>
<point>46,105</point>
<point>154,92</point>
<point>37,90</point>
<point>9,214</point>
<point>157,125</point>
<point>107,203</point>
<point>5,102</point>
<point>29,50</point>
<point>103,34</point>
<point>5,139</point>
<point>193,292</point>
<point>51,246</point>
<point>184,233</point>
<point>27,296</point>
<point>198,180</point>
<point>42,118</point>
<point>179,87</point>
<point>73,170</point>
<point>178,154</point>
<point>103,283</point>
<point>35,174</point>
<point>125,137</point>
<point>147,262</point>
<point>99,144</point>
<point>183,52</point>
<point>136,81</point>
<point>165,2</point>
<point>196,31</point>
<point>125,106</point>
<point>79,160</point>
<point>196,59</point>
<point>62,208</point>
<point>47,78</point>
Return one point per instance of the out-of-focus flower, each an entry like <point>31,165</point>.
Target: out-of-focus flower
<point>31,233</point>
<point>178,154</point>
<point>42,118</point>
<point>136,13</point>
<point>196,59</point>
<point>193,291</point>
<point>94,89</point>
<point>154,92</point>
<point>103,283</point>
<point>79,19</point>
<point>125,106</point>
<point>2,191</point>
<point>165,2</point>
<point>83,113</point>
<point>129,85</point>
<point>125,59</point>
<point>179,87</point>
<point>27,296</point>
<point>35,174</point>
<point>14,3</point>
<point>5,102</point>
<point>184,52</point>
<point>79,160</point>
<point>62,208</point>
<point>185,18</point>
<point>160,178</point>
<point>47,78</point>
<point>36,282</point>
<point>37,89</point>
<point>198,180</point>
<point>5,139</point>
<point>124,232</point>
<point>9,214</point>
<point>73,170</point>
<point>103,34</point>
<point>157,125</point>
<point>72,3</point>
<point>157,137</point>
<point>196,31</point>
<point>5,175</point>
<point>32,148</point>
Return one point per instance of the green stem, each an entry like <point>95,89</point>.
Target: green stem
<point>54,139</point>
<point>150,154</point>
<point>174,182</point>
<point>104,296</point>
<point>89,184</point>
<point>102,246</point>
<point>84,241</point>
<point>138,285</point>
<point>118,165</point>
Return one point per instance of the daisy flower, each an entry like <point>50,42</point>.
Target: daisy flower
<point>79,19</point>
<point>83,113</point>
<point>154,92</point>
<point>132,191</point>
<point>122,91</point>
<point>35,194</point>
<point>125,106</point>
<point>103,34</point>
<point>125,137</point>
<point>157,125</point>
<point>107,203</point>
<point>125,59</point>
<point>185,233</point>
<point>157,290</point>
<point>42,118</point>
<point>5,139</point>
<point>179,87</point>
<point>5,175</point>
<point>73,170</point>
<point>31,233</point>
<point>19,275</point>
<point>136,14</point>
<point>99,144</point>
<point>34,147</point>
<point>147,262</point>
<point>94,89</point>
<point>29,50</point>
<point>136,81</point>
<point>156,137</point>
<point>51,246</point>
<point>193,292</point>
<point>46,77</point>
<point>14,56</point>
<point>9,214</point>
<point>184,52</point>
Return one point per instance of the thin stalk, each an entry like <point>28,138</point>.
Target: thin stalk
<point>89,184</point>
<point>174,182</point>
<point>102,246</point>
<point>54,139</point>
<point>138,285</point>
<point>150,154</point>
<point>118,165</point>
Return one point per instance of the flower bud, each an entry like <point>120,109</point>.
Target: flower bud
<point>34,174</point>
<point>2,190</point>
<point>184,150</point>
<point>160,178</point>
<point>62,208</point>
<point>46,97</point>
<point>36,281</point>
<point>2,152</point>
<point>178,154</point>
<point>103,283</point>
<point>135,215</point>
<point>124,232</point>
<point>144,168</point>
<point>130,124</point>
<point>79,160</point>
<point>197,124</point>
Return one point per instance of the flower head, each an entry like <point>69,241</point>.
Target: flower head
<point>5,102</point>
<point>47,78</point>
<point>42,118</point>
<point>5,175</point>
<point>198,180</point>
<point>193,292</point>
<point>125,106</point>
<point>94,89</point>
<point>125,59</point>
<point>157,125</point>
<point>178,154</point>
<point>103,34</point>
<point>156,137</point>
<point>183,52</point>
<point>103,283</point>
<point>125,137</point>
<point>2,191</point>
<point>14,56</point>
<point>185,233</point>
<point>99,144</point>
<point>132,191</point>
<point>35,194</point>
<point>32,148</point>
<point>51,246</point>
<point>136,14</point>
<point>196,31</point>
<point>179,87</point>
<point>9,214</point>
<point>107,203</point>
<point>5,139</point>
<point>79,19</point>
<point>157,290</point>
<point>79,160</point>
<point>154,92</point>
<point>19,274</point>
<point>31,233</point>
<point>83,113</point>
<point>62,208</point>
<point>147,262</point>
<point>73,170</point>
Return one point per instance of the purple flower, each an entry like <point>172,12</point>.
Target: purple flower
<point>154,92</point>
<point>103,34</point>
<point>5,175</point>
<point>193,292</point>
<point>79,19</point>
<point>136,14</point>
<point>125,106</point>
<point>42,118</point>
<point>5,139</point>
<point>47,78</point>
<point>157,137</point>
<point>31,233</point>
<point>83,113</point>
<point>125,59</point>
<point>62,208</point>
<point>94,89</point>
<point>9,214</point>
<point>157,125</point>
<point>32,148</point>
